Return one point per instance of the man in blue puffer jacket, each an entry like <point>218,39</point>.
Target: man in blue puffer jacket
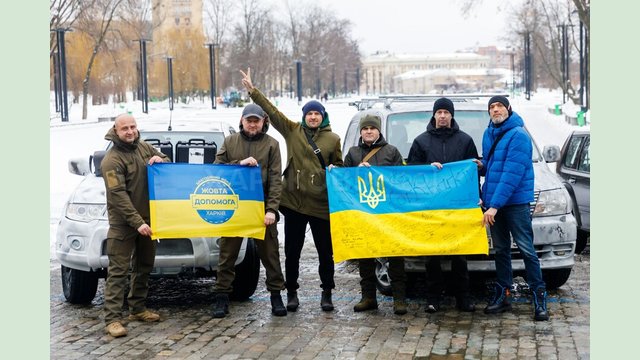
<point>506,194</point>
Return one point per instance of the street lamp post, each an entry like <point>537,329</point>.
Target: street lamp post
<point>170,81</point>
<point>60,68</point>
<point>527,66</point>
<point>143,75</point>
<point>513,73</point>
<point>346,90</point>
<point>333,80</point>
<point>299,80</point>
<point>212,73</point>
<point>318,87</point>
<point>290,82</point>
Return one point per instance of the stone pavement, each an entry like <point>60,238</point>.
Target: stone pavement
<point>188,331</point>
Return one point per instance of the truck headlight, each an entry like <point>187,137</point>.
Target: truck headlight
<point>85,212</point>
<point>552,202</point>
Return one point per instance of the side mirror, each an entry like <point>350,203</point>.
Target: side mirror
<point>79,166</point>
<point>96,160</point>
<point>551,153</point>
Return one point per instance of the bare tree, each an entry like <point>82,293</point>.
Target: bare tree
<point>219,15</point>
<point>541,20</point>
<point>95,23</point>
<point>63,14</point>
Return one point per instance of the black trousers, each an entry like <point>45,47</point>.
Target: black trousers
<point>435,278</point>
<point>397,276</point>
<point>295,226</point>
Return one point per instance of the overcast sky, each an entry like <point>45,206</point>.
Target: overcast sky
<point>422,26</point>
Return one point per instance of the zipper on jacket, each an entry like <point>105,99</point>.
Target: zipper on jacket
<point>312,179</point>
<point>297,179</point>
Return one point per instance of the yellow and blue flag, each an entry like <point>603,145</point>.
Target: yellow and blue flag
<point>205,200</point>
<point>405,211</point>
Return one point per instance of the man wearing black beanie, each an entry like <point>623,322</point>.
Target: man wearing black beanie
<point>507,192</point>
<point>444,142</point>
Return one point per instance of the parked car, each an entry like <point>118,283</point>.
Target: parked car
<point>554,226</point>
<point>82,230</point>
<point>574,169</point>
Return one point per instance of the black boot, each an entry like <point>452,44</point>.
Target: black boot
<point>540,304</point>
<point>500,302</point>
<point>221,308</point>
<point>277,307</point>
<point>325,300</point>
<point>433,304</point>
<point>465,303</point>
<point>292,301</point>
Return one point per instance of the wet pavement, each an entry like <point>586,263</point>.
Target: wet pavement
<point>188,331</point>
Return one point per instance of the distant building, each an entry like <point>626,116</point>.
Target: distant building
<point>385,73</point>
<point>172,15</point>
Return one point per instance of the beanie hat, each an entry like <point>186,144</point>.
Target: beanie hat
<point>443,103</point>
<point>313,105</point>
<point>370,120</point>
<point>502,100</point>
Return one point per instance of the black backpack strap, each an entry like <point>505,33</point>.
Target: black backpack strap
<point>316,150</point>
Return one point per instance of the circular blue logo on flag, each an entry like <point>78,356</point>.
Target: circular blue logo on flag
<point>214,200</point>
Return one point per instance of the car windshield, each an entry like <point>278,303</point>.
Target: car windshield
<point>403,127</point>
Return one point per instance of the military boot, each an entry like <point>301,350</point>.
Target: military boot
<point>277,306</point>
<point>221,308</point>
<point>325,300</point>
<point>399,305</point>
<point>500,302</point>
<point>368,302</point>
<point>540,304</point>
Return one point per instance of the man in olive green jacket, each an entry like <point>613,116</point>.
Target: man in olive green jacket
<point>253,147</point>
<point>124,169</point>
<point>304,196</point>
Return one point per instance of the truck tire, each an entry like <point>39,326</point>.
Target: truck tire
<point>383,281</point>
<point>79,287</point>
<point>554,278</point>
<point>247,273</point>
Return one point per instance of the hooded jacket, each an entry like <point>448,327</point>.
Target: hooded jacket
<point>266,150</point>
<point>442,145</point>
<point>387,155</point>
<point>304,188</point>
<point>124,169</point>
<point>509,172</point>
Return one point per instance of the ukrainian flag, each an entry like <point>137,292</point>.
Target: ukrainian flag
<point>205,200</point>
<point>405,211</point>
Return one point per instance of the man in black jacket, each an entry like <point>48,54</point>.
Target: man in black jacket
<point>444,142</point>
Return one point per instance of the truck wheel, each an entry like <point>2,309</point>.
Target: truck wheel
<point>247,273</point>
<point>554,278</point>
<point>383,281</point>
<point>79,287</point>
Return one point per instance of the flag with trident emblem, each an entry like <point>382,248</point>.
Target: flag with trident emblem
<point>416,210</point>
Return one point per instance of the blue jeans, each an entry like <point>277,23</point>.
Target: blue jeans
<point>515,220</point>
